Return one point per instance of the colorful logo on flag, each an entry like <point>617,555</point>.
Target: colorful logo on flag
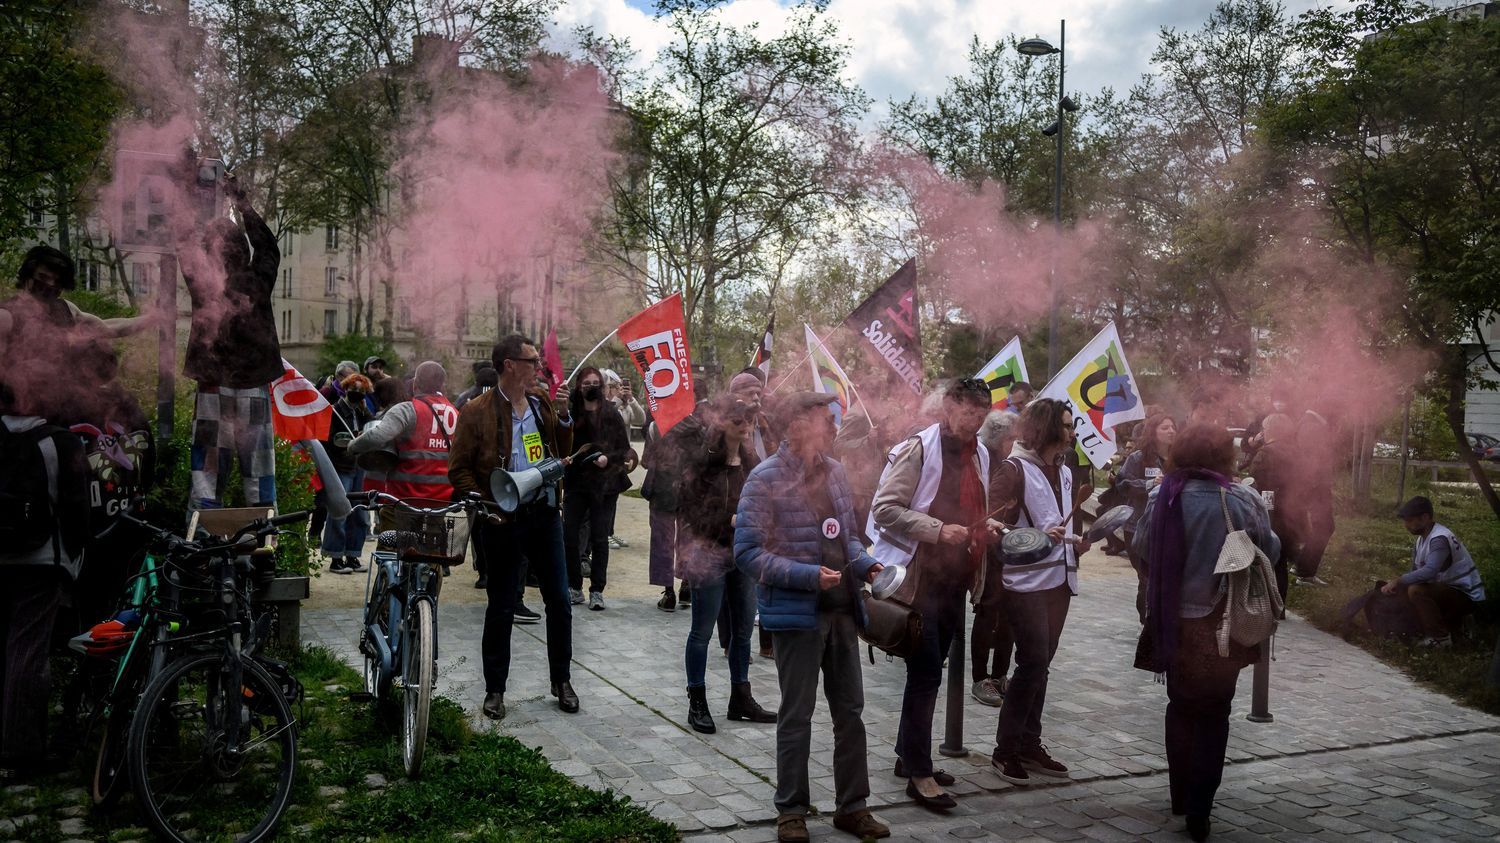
<point>1104,388</point>
<point>1004,371</point>
<point>298,410</point>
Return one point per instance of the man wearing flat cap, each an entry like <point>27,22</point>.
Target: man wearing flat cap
<point>1443,584</point>
<point>796,537</point>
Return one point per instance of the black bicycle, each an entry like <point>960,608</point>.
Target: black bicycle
<point>212,746</point>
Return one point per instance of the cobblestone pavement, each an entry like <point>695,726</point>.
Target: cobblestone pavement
<point>1357,750</point>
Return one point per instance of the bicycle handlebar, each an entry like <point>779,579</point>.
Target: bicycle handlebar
<point>259,528</point>
<point>371,501</point>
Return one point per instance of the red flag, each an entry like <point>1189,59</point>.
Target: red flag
<point>657,341</point>
<point>298,410</point>
<point>552,367</point>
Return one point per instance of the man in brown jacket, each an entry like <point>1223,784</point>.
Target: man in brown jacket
<point>513,428</point>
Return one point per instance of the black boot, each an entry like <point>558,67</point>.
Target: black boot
<point>742,705</point>
<point>698,716</point>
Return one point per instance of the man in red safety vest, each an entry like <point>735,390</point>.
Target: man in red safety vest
<point>419,431</point>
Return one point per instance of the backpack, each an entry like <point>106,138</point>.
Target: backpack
<point>1252,604</point>
<point>28,487</point>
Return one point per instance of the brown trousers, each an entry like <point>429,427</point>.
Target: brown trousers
<point>1441,607</point>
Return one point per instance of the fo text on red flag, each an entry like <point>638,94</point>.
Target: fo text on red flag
<point>657,341</point>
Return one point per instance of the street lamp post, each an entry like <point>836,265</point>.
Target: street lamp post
<point>1034,47</point>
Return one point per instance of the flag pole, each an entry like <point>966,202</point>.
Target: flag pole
<point>791,369</point>
<point>597,346</point>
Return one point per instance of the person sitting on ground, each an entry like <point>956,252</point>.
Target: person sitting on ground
<point>1443,584</point>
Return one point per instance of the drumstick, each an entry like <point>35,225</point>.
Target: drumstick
<point>1084,492</point>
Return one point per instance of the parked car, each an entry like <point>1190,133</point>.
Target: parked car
<point>1486,447</point>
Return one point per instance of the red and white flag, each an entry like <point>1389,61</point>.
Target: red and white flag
<point>298,410</point>
<point>657,341</point>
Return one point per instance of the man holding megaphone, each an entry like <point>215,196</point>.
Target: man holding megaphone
<point>515,429</point>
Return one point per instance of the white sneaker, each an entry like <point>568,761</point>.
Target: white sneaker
<point>596,601</point>
<point>988,692</point>
<point>575,597</point>
<point>617,543</point>
<point>1436,642</point>
<point>1313,580</point>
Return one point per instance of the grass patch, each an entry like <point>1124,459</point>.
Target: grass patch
<point>473,787</point>
<point>1369,544</point>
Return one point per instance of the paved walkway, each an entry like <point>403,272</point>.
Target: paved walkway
<point>1357,751</point>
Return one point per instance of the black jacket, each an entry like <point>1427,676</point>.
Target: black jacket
<point>711,490</point>
<point>605,430</point>
<point>233,340</point>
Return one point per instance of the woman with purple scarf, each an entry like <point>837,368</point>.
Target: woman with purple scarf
<point>1182,532</point>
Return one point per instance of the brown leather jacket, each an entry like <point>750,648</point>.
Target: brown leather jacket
<point>476,450</point>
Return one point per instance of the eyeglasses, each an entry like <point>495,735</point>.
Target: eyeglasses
<point>533,361</point>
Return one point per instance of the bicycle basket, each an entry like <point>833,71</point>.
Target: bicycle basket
<point>440,538</point>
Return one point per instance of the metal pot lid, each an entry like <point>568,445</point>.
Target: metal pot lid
<point>1025,545</point>
<point>888,581</point>
<point>1109,521</point>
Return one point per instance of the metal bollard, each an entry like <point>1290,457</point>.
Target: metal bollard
<point>953,726</point>
<point>1260,688</point>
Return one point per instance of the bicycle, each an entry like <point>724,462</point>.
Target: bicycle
<point>214,729</point>
<point>399,638</point>
<point>137,635</point>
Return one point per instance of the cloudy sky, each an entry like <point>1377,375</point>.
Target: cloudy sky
<point>901,47</point>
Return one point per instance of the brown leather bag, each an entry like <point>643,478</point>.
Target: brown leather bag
<point>892,625</point>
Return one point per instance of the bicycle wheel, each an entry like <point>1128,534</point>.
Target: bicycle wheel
<point>109,763</point>
<point>189,786</point>
<point>416,677</point>
<point>377,612</point>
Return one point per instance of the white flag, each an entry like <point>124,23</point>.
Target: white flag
<point>1103,392</point>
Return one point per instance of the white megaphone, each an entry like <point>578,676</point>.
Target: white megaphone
<point>512,489</point>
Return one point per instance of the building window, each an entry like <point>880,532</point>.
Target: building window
<point>140,279</point>
<point>286,283</point>
<point>286,324</point>
<point>349,319</point>
<point>286,243</point>
<point>90,276</point>
<point>403,315</point>
<point>36,217</point>
<point>330,323</point>
<point>331,282</point>
<point>331,238</point>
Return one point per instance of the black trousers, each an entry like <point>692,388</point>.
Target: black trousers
<point>28,607</point>
<point>1200,690</point>
<point>585,510</point>
<point>942,612</point>
<point>991,642</point>
<point>1036,620</point>
<point>534,537</point>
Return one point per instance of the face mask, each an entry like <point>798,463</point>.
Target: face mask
<point>591,393</point>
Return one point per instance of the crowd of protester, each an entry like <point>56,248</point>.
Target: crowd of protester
<point>762,515</point>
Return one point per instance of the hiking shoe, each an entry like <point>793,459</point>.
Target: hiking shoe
<point>618,543</point>
<point>575,596</point>
<point>1009,768</point>
<point>1436,642</point>
<point>596,601</point>
<point>988,692</point>
<point>1038,761</point>
<point>668,601</point>
<point>525,615</point>
<point>1313,580</point>
<point>791,828</point>
<point>861,824</point>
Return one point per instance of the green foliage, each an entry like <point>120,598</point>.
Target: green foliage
<point>1370,545</point>
<point>55,113</point>
<point>356,347</point>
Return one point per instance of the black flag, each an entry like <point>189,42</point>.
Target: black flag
<point>888,322</point>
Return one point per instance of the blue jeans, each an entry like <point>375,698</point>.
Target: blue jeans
<point>535,538</point>
<point>346,536</point>
<point>739,593</point>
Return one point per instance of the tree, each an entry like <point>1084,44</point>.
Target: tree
<point>1395,127</point>
<point>56,108</point>
<point>742,139</point>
